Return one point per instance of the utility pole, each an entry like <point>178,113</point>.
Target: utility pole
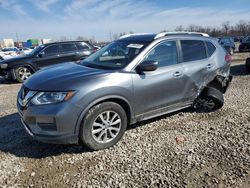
<point>17,37</point>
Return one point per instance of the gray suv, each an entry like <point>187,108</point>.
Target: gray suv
<point>137,77</point>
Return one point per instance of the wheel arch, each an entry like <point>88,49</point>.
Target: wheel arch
<point>13,74</point>
<point>220,83</point>
<point>123,102</point>
<point>25,65</point>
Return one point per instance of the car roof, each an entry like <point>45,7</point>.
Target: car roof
<point>146,37</point>
<point>65,42</point>
<point>149,37</point>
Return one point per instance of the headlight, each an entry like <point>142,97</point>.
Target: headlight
<point>51,97</point>
<point>3,66</point>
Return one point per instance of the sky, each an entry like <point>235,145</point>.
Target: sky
<point>25,19</point>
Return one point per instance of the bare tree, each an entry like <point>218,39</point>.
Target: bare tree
<point>179,28</point>
<point>226,27</point>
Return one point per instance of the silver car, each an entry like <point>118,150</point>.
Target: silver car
<point>137,77</point>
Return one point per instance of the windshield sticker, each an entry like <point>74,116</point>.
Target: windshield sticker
<point>135,46</point>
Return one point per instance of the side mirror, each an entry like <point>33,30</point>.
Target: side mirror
<point>41,54</point>
<point>147,66</point>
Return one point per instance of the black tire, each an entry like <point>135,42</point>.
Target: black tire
<point>21,77</point>
<point>211,99</point>
<point>248,64</point>
<point>86,130</point>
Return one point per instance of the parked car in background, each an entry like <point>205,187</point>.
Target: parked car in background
<point>25,50</point>
<point>245,45</point>
<point>10,52</point>
<point>135,78</point>
<point>228,44</point>
<point>21,68</point>
<point>97,47</point>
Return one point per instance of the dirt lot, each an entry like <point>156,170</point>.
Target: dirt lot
<point>183,149</point>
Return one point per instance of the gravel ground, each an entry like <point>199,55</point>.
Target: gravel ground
<point>183,149</point>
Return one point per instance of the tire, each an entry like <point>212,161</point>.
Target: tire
<point>22,73</point>
<point>98,136</point>
<point>247,65</point>
<point>211,99</point>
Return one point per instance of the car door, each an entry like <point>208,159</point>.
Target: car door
<point>68,52</point>
<point>198,68</point>
<point>48,56</point>
<point>162,89</point>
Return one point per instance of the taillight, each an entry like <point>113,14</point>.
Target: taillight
<point>228,58</point>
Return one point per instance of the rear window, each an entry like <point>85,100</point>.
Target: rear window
<point>210,48</point>
<point>193,50</point>
<point>82,46</point>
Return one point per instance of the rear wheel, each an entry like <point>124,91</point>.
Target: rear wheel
<point>210,99</point>
<point>22,73</point>
<point>103,126</point>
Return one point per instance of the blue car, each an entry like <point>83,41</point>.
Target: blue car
<point>228,44</point>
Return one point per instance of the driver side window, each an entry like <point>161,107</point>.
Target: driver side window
<point>164,53</point>
<point>51,50</point>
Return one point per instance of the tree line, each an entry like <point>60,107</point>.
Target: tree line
<point>242,28</point>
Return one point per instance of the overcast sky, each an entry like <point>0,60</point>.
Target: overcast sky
<point>99,18</point>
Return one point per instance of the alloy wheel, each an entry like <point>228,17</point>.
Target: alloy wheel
<point>205,104</point>
<point>106,126</point>
<point>24,73</point>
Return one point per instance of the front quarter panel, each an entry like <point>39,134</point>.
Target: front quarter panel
<point>116,85</point>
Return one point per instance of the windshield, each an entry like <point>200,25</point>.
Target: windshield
<point>116,55</point>
<point>36,50</point>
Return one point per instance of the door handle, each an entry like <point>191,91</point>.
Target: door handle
<point>209,66</point>
<point>177,74</point>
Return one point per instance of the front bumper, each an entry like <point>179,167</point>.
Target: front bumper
<point>7,74</point>
<point>53,123</point>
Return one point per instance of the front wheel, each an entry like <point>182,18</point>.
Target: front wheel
<point>22,73</point>
<point>103,126</point>
<point>210,99</point>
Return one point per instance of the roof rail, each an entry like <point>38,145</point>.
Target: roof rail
<point>163,34</point>
<point>133,34</point>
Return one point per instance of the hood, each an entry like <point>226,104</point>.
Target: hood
<point>15,59</point>
<point>65,76</point>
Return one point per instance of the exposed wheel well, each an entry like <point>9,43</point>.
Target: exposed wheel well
<point>217,85</point>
